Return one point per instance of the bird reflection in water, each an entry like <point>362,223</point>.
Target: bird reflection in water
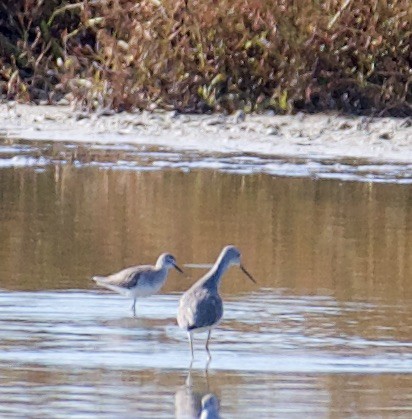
<point>195,400</point>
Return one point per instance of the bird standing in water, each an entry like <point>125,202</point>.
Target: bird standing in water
<point>141,280</point>
<point>201,306</point>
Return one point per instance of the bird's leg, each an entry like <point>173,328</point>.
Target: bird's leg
<point>191,345</point>
<point>189,382</point>
<point>209,357</point>
<point>134,307</point>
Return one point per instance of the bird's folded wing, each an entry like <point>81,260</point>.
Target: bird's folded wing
<point>199,309</point>
<point>127,278</point>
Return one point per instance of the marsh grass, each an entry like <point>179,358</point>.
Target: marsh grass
<point>210,55</point>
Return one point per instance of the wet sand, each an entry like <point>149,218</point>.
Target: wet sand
<point>320,136</point>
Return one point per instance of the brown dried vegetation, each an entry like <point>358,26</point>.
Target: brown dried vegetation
<point>210,55</point>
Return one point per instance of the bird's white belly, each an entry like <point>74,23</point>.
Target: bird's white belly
<point>204,329</point>
<point>144,290</point>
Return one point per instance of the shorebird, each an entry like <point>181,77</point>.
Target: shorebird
<point>201,307</point>
<point>210,407</point>
<point>141,280</point>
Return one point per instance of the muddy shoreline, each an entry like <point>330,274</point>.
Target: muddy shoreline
<point>321,136</point>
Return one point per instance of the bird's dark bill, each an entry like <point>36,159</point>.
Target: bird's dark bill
<point>178,269</point>
<point>247,274</point>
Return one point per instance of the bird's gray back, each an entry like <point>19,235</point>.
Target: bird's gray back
<point>199,307</point>
<point>129,277</point>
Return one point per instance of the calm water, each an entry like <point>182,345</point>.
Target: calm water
<point>327,332</point>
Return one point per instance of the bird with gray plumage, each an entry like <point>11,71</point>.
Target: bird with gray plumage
<point>210,407</point>
<point>201,307</point>
<point>141,280</point>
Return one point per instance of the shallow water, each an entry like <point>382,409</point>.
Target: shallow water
<point>39,154</point>
<point>327,332</point>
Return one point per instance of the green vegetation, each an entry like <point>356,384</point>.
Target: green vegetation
<point>202,55</point>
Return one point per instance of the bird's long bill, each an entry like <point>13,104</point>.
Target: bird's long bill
<point>247,274</point>
<point>178,269</point>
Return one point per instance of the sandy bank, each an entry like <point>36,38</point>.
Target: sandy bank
<point>310,136</point>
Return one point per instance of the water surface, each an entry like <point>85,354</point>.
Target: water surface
<point>327,332</point>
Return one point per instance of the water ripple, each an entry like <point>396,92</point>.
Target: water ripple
<point>263,332</point>
<point>148,158</point>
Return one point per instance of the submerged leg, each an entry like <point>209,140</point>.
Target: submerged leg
<point>191,344</point>
<point>189,382</point>
<point>209,357</point>
<point>134,307</point>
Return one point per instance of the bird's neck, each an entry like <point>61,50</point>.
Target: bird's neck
<point>161,266</point>
<point>217,271</point>
<point>161,272</point>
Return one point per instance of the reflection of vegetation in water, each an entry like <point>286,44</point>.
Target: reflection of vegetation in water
<point>62,225</point>
<point>227,55</point>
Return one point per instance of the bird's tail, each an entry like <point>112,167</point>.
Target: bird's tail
<point>102,281</point>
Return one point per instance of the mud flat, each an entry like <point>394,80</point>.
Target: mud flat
<point>321,136</point>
